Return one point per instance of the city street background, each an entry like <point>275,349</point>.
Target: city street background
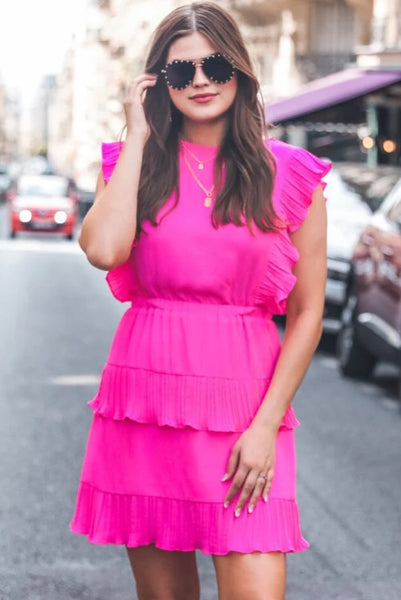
<point>58,319</point>
<point>330,73</point>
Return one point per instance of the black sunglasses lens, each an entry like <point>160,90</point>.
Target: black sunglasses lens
<point>218,69</point>
<point>180,74</point>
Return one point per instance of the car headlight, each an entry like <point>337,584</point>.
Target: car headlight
<point>25,216</point>
<point>60,217</point>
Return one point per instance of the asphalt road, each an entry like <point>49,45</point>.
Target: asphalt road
<point>57,321</point>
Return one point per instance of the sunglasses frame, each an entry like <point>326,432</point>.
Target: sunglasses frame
<point>195,64</point>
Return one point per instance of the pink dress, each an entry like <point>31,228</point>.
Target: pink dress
<point>189,365</point>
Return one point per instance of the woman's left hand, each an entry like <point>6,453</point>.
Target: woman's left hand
<point>251,465</point>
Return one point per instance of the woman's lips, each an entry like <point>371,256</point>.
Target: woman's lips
<point>203,99</point>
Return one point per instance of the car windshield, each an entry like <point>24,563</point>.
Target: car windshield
<point>46,187</point>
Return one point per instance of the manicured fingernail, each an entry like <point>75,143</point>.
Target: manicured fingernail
<point>226,504</point>
<point>237,512</point>
<point>250,508</point>
<point>265,497</point>
<point>225,477</point>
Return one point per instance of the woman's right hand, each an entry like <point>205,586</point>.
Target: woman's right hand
<point>133,106</point>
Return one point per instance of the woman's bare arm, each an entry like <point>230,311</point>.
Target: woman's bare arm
<point>108,229</point>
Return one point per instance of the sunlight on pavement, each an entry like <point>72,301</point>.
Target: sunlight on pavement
<point>74,380</point>
<point>45,247</point>
<point>329,362</point>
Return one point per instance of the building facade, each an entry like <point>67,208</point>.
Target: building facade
<point>10,112</point>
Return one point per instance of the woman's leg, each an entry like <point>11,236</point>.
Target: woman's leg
<point>254,576</point>
<point>164,575</point>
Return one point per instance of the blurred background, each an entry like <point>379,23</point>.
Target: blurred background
<point>330,73</point>
<point>65,67</point>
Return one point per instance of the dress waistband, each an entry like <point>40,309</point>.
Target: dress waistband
<point>185,306</point>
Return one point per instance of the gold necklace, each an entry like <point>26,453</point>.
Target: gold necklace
<point>201,163</point>
<point>208,199</point>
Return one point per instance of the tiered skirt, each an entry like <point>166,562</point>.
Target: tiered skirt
<point>181,384</point>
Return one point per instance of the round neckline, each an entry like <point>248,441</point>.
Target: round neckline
<point>195,146</point>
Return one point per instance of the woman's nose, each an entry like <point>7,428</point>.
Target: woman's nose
<point>199,77</point>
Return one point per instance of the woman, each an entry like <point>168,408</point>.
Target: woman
<point>207,227</point>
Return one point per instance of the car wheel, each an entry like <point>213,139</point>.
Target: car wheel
<point>69,236</point>
<point>353,358</point>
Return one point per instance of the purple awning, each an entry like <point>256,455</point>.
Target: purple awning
<point>329,91</point>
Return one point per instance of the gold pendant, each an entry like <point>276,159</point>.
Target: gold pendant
<point>208,201</point>
<point>200,166</point>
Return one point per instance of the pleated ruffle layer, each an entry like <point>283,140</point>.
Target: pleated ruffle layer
<point>278,280</point>
<point>130,520</point>
<point>213,377</point>
<point>181,400</point>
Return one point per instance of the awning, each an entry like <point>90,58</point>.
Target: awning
<point>330,91</point>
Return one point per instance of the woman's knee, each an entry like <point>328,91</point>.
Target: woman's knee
<point>164,575</point>
<point>183,588</point>
<point>251,594</point>
<point>154,593</point>
<point>254,576</point>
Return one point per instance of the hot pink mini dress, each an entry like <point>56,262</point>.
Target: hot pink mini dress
<point>189,365</point>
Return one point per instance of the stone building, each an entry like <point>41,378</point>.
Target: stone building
<point>39,121</point>
<point>384,48</point>
<point>10,112</point>
<point>294,41</point>
<point>3,114</point>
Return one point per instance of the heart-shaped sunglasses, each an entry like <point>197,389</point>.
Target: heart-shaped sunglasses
<point>180,73</point>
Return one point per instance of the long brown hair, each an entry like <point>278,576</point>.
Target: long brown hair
<point>249,166</point>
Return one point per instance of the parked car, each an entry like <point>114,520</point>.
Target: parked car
<point>45,203</point>
<point>86,199</point>
<point>371,318</point>
<point>353,191</point>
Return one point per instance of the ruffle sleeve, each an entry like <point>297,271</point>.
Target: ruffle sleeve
<point>110,153</point>
<point>278,279</point>
<point>121,280</point>
<point>299,172</point>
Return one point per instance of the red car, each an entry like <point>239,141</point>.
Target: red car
<point>45,203</point>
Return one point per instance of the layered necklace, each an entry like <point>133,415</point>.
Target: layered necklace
<point>200,163</point>
<point>208,199</point>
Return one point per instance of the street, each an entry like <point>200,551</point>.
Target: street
<point>57,322</point>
